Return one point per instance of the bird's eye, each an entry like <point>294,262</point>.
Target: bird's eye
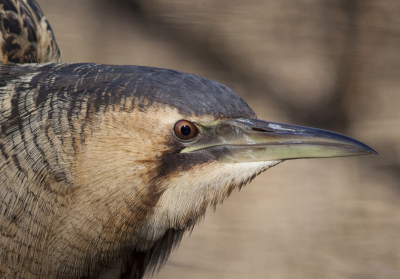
<point>185,130</point>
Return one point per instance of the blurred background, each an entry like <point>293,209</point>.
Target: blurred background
<point>329,64</point>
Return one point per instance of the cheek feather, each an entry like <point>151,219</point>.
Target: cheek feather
<point>191,196</point>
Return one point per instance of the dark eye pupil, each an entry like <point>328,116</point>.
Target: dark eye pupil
<point>185,130</point>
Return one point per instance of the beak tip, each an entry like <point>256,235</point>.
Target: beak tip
<point>373,152</point>
<point>368,150</point>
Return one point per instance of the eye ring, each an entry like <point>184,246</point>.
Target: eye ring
<point>185,130</point>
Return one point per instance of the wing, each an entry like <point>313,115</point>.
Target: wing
<point>26,35</point>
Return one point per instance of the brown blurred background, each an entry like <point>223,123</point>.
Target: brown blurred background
<point>328,64</point>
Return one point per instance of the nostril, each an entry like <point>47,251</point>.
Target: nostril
<point>262,130</point>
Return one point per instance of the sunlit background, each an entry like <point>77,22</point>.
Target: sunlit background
<point>328,64</point>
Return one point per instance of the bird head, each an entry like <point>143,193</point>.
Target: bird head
<point>155,147</point>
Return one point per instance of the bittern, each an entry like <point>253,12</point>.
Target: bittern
<point>103,168</point>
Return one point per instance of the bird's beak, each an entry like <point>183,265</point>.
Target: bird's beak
<point>253,140</point>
